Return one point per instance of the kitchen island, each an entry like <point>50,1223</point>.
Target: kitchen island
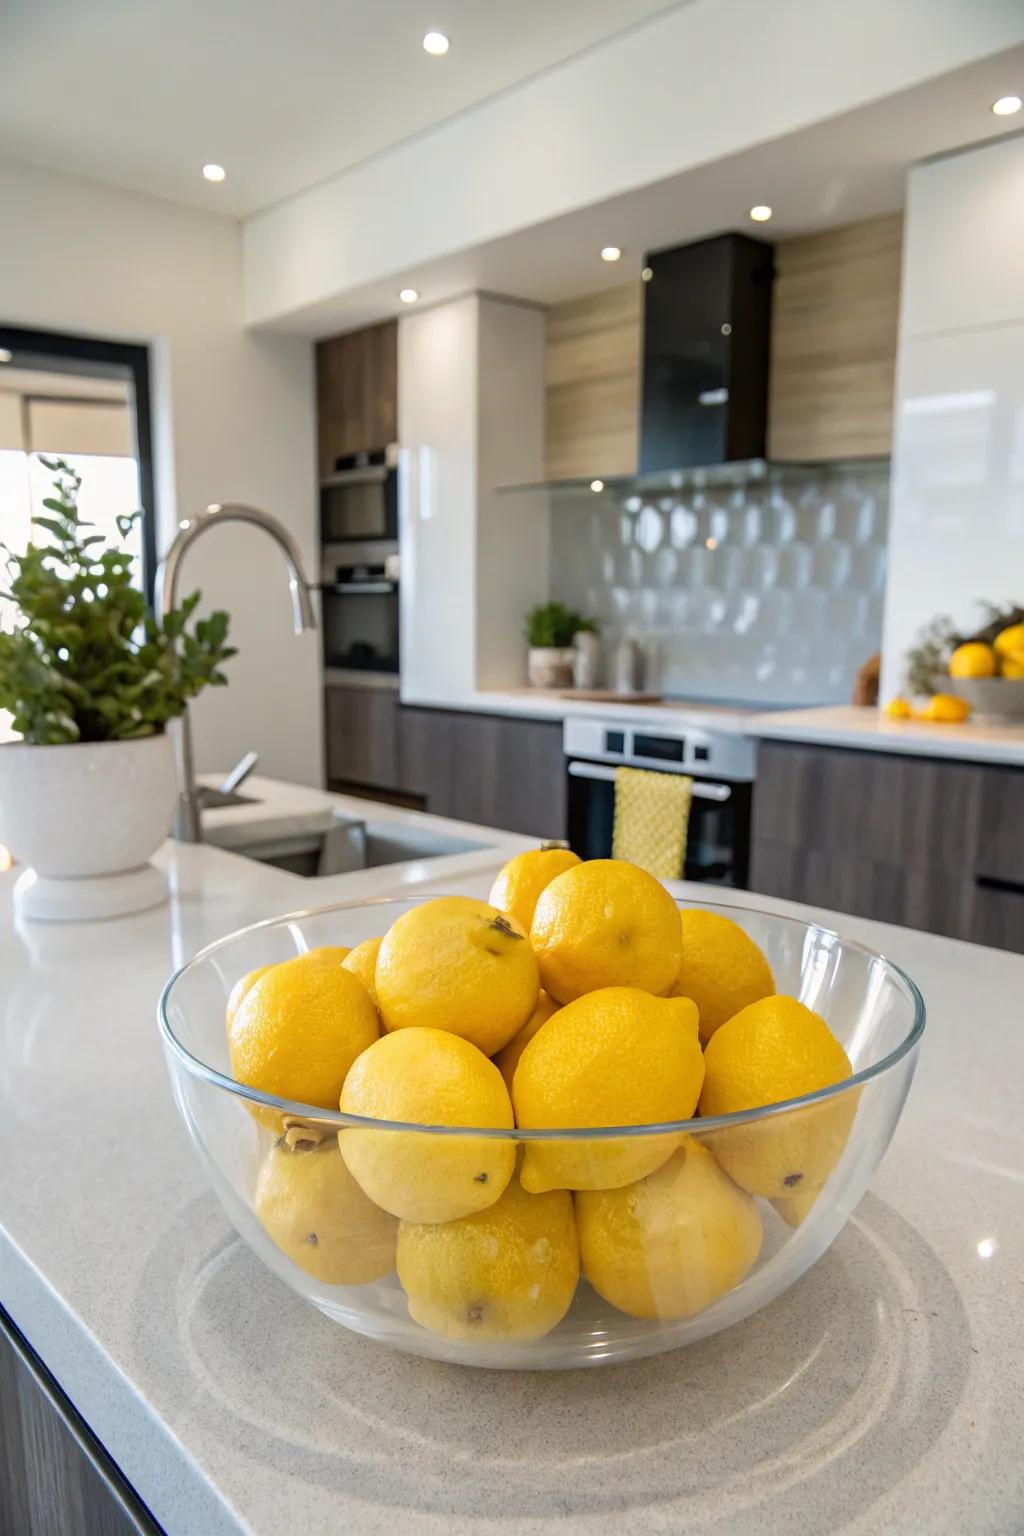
<point>876,1395</point>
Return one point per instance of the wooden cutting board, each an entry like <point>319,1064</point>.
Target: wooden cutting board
<point>608,696</point>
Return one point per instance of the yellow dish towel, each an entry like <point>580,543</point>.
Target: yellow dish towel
<point>651,815</point>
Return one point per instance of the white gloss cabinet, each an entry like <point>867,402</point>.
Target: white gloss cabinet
<point>963,241</point>
<point>470,418</point>
<point>956,524</point>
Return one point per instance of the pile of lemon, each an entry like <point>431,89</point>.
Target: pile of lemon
<point>1003,658</point>
<point>578,998</point>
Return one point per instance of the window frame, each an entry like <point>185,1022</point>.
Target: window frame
<point>57,350</point>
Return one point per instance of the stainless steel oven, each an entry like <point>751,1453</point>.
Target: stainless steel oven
<point>360,500</point>
<point>720,764</point>
<point>360,616</point>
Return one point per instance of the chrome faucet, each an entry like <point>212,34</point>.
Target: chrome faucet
<point>187,825</point>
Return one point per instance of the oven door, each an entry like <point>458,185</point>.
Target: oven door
<point>360,621</point>
<point>718,836</point>
<point>359,504</point>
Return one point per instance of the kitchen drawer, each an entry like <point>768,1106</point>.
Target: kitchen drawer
<point>361,730</point>
<point>910,895</point>
<point>879,807</point>
<point>495,770</point>
<point>1000,848</point>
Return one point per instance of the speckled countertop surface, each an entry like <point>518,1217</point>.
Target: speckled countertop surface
<point>880,1393</point>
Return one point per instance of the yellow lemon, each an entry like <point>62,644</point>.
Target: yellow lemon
<point>1011,664</point>
<point>362,962</point>
<point>298,1030</point>
<point>794,1209</point>
<point>522,879</point>
<point>898,709</point>
<point>427,1077</point>
<point>333,954</point>
<point>975,659</point>
<point>723,969</point>
<point>507,1059</point>
<point>509,1272</point>
<point>1009,641</point>
<point>670,1245</point>
<point>944,708</point>
<point>617,1057</point>
<point>313,1209</point>
<point>460,965</point>
<point>241,987</point>
<point>606,923</point>
<point>772,1050</point>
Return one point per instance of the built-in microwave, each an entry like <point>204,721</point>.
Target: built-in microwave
<point>360,500</point>
<point>360,616</point>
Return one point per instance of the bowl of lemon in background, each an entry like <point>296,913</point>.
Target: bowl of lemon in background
<point>990,677</point>
<point>576,1124</point>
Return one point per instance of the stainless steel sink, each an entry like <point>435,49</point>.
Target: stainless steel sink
<point>329,844</point>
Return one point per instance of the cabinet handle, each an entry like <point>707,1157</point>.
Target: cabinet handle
<point>993,883</point>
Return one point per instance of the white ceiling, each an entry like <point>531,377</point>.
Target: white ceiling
<point>848,167</point>
<point>283,93</point>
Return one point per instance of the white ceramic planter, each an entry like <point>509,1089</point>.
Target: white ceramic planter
<point>85,819</point>
<point>550,666</point>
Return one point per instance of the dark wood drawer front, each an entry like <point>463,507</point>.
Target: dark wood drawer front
<point>362,736</point>
<point>917,841</point>
<point>491,769</point>
<point>869,805</point>
<point>1000,854</point>
<point>55,1477</point>
<point>890,893</point>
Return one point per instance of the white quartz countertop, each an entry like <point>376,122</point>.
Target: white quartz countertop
<point>881,1393</point>
<point>552,704</point>
<point>838,725</point>
<point>871,730</point>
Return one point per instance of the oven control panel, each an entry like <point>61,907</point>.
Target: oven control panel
<point>672,748</point>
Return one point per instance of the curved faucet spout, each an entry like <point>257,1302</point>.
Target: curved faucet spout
<point>187,825</point>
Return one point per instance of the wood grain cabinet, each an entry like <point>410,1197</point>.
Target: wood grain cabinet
<point>491,769</point>
<point>496,770</point>
<point>55,1477</point>
<point>361,729</point>
<point>356,393</point>
<point>922,842</point>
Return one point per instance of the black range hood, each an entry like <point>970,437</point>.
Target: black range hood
<point>707,324</point>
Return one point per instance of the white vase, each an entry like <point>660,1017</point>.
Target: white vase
<point>85,818</point>
<point>550,666</point>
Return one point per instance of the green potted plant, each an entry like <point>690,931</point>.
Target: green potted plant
<point>550,632</point>
<point>91,678</point>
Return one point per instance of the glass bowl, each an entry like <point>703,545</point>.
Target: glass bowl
<point>706,1254</point>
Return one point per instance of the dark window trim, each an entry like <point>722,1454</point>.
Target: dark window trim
<point>65,349</point>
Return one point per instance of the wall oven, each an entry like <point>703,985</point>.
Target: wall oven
<point>720,764</point>
<point>360,500</point>
<point>360,616</point>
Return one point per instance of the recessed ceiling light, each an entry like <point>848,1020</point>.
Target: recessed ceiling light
<point>647,274</point>
<point>597,485</point>
<point>5,356</point>
<point>711,543</point>
<point>214,172</point>
<point>760,213</point>
<point>408,295</point>
<point>610,253</point>
<point>436,43</point>
<point>1006,106</point>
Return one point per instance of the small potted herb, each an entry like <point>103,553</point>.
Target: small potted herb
<point>550,633</point>
<point>91,679</point>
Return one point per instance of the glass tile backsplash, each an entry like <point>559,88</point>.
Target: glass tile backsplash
<point>769,592</point>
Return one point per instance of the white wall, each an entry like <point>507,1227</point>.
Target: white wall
<point>234,421</point>
<point>704,80</point>
<point>470,417</point>
<point>957,509</point>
